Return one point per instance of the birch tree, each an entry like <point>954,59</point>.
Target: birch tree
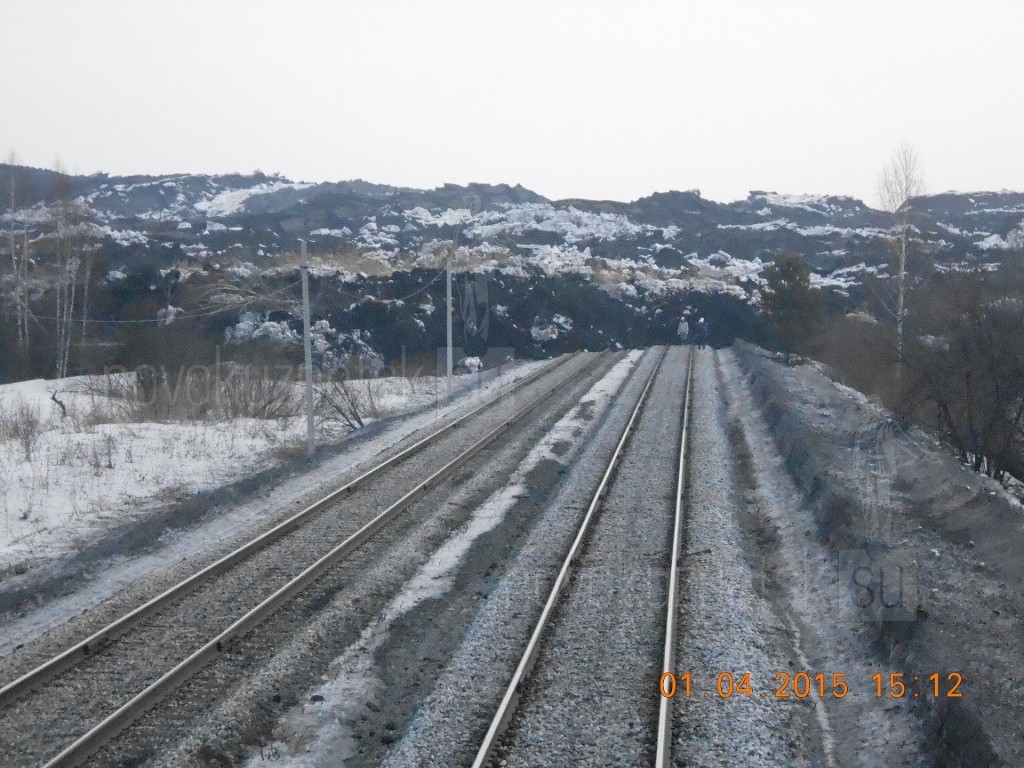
<point>900,182</point>
<point>19,264</point>
<point>66,221</point>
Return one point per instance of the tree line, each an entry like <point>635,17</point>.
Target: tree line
<point>941,346</point>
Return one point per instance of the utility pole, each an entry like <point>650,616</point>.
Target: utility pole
<point>307,342</point>
<point>448,307</point>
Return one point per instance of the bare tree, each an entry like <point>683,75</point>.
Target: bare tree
<point>19,266</point>
<point>85,293</point>
<point>966,366</point>
<point>900,182</point>
<point>228,294</point>
<point>66,222</point>
<point>339,400</point>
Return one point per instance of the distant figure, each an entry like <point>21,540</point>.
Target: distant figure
<point>683,330</point>
<point>702,333</point>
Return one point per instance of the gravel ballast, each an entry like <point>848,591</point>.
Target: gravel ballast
<point>246,703</point>
<point>399,656</point>
<point>144,653</point>
<point>451,720</point>
<point>592,697</point>
<point>726,628</point>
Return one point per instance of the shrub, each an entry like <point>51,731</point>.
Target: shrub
<point>21,423</point>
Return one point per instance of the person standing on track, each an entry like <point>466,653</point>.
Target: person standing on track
<point>683,330</point>
<point>702,333</point>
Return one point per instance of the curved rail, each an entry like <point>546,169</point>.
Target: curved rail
<point>72,655</point>
<point>100,734</point>
<point>664,753</point>
<point>511,698</point>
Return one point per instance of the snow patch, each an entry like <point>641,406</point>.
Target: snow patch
<point>233,200</point>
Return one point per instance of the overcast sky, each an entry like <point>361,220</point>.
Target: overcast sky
<point>571,99</point>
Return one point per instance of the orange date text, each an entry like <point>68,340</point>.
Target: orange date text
<point>801,685</point>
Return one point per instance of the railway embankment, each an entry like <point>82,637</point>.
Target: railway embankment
<point>930,552</point>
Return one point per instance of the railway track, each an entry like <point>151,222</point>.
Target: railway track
<point>574,698</point>
<point>128,667</point>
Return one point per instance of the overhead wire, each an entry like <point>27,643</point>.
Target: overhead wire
<point>214,311</point>
<point>163,321</point>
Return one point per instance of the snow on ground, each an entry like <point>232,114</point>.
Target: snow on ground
<point>120,236</point>
<point>448,218</point>
<point>353,681</point>
<point>760,226</point>
<point>818,230</point>
<point>843,277</point>
<point>96,489</point>
<point>559,259</point>
<point>570,222</point>
<point>233,200</point>
<point>968,266</point>
<point>728,267</point>
<point>990,210</point>
<point>830,230</point>
<point>326,232</point>
<point>1014,240</point>
<point>543,330</point>
<point>723,264</point>
<point>821,204</point>
<point>67,478</point>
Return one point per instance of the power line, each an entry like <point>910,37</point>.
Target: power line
<point>422,288</point>
<point>210,312</point>
<point>163,321</point>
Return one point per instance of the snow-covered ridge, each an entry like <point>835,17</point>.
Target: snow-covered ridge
<point>820,204</point>
<point>246,223</point>
<point>231,201</point>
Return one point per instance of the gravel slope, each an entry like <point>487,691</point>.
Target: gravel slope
<point>871,494</point>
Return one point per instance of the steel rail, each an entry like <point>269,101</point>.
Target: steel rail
<point>103,732</point>
<point>664,753</point>
<point>512,694</point>
<point>74,654</point>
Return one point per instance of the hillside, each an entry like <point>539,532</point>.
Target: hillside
<point>549,275</point>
